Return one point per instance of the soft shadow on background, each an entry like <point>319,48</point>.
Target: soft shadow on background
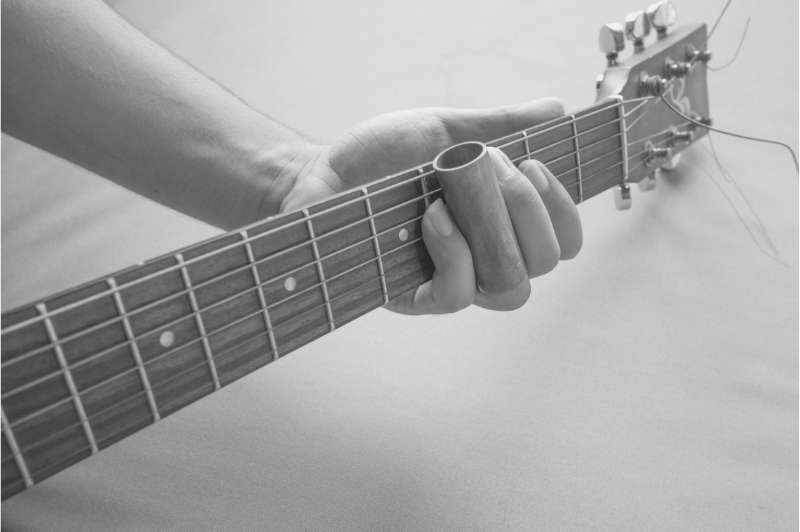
<point>651,383</point>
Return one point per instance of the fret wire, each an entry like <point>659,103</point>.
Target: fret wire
<point>212,366</point>
<point>423,184</point>
<point>89,359</point>
<point>62,361</point>
<point>384,289</point>
<point>425,196</point>
<point>95,356</point>
<point>22,465</point>
<point>320,269</point>
<point>54,435</point>
<point>297,294</point>
<point>294,247</point>
<point>65,308</point>
<point>227,325</point>
<point>262,301</point>
<point>552,124</point>
<point>208,282</point>
<point>137,355</point>
<point>577,160</point>
<point>528,154</point>
<point>625,144</point>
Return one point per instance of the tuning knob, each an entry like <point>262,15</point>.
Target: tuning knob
<point>622,197</point>
<point>637,27</point>
<point>662,15</point>
<point>611,41</point>
<point>648,183</point>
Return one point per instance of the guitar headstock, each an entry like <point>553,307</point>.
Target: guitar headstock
<point>672,64</point>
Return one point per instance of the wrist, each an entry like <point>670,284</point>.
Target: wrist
<point>282,167</point>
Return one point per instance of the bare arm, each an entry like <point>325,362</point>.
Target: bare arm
<point>82,83</point>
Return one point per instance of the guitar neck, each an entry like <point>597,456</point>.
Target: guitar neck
<point>88,367</point>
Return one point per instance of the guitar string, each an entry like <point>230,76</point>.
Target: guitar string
<point>144,334</point>
<point>527,134</point>
<point>228,325</point>
<point>238,294</point>
<point>297,246</point>
<point>180,374</point>
<point>731,133</point>
<point>83,450</point>
<point>271,257</point>
<point>360,198</point>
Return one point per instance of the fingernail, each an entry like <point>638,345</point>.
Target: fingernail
<point>536,173</point>
<point>440,218</point>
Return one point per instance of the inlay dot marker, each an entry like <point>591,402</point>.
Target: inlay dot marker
<point>290,283</point>
<point>403,234</point>
<point>166,339</point>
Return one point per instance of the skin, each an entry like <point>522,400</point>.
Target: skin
<point>82,83</point>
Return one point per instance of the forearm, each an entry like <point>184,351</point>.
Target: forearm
<point>82,83</point>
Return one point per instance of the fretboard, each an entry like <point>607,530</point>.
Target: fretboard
<point>88,367</point>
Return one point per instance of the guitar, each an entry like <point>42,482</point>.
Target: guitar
<point>90,366</point>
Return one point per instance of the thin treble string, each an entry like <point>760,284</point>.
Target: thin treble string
<point>557,122</point>
<point>206,336</point>
<point>236,295</point>
<point>733,134</point>
<point>273,305</point>
<point>295,247</point>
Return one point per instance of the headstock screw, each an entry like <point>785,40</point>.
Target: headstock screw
<point>622,197</point>
<point>662,15</point>
<point>637,27</point>
<point>611,41</point>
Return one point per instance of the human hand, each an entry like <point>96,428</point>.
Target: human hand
<point>544,218</point>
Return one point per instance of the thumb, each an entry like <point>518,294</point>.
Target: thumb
<point>492,123</point>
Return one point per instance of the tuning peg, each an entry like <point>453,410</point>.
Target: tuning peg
<point>637,27</point>
<point>662,15</point>
<point>648,183</point>
<point>622,197</point>
<point>611,41</point>
<point>680,138</point>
